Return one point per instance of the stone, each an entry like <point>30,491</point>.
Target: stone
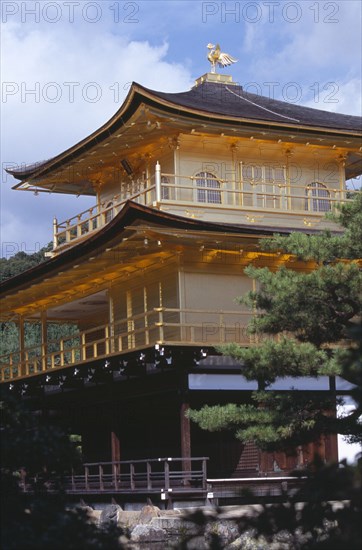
<point>147,513</point>
<point>249,541</point>
<point>176,528</point>
<point>128,520</point>
<point>148,533</point>
<point>226,531</point>
<point>197,543</point>
<point>110,514</point>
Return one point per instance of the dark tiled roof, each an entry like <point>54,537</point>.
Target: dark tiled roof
<point>232,100</point>
<point>212,101</point>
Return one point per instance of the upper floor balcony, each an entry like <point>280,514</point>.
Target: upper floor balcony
<point>263,195</point>
<point>156,328</point>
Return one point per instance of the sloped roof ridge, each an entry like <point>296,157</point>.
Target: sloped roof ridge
<point>220,98</point>
<point>261,107</point>
<point>210,99</point>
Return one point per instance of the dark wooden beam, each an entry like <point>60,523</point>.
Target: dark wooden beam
<point>185,437</point>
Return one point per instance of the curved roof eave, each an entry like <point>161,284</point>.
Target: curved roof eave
<point>112,233</point>
<point>138,94</point>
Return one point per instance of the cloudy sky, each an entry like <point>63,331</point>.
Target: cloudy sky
<point>67,65</point>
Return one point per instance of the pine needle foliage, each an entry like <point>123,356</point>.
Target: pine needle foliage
<point>308,324</point>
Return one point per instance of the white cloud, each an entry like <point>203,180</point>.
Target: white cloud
<point>340,98</point>
<point>323,45</point>
<point>78,84</point>
<point>102,65</point>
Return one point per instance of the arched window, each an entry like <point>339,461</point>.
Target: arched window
<point>317,197</point>
<point>165,190</point>
<point>207,185</point>
<point>109,212</point>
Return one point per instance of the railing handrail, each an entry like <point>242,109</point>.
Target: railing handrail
<point>212,311</point>
<point>273,184</point>
<point>147,460</point>
<point>135,335</point>
<point>133,475</point>
<point>262,193</point>
<point>255,181</point>
<point>103,210</point>
<point>79,334</point>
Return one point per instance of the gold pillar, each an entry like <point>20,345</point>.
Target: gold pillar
<point>236,197</point>
<point>44,340</point>
<point>21,333</point>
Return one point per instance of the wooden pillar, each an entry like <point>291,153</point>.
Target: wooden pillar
<point>115,447</point>
<point>310,453</point>
<point>185,437</point>
<point>332,448</point>
<point>320,447</point>
<point>115,457</point>
<point>111,321</point>
<point>22,345</point>
<point>44,340</point>
<point>300,456</point>
<point>264,462</point>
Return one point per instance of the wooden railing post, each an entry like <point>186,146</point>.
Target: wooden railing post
<point>222,328</point>
<point>27,366</point>
<point>61,345</point>
<point>115,476</point>
<point>11,370</point>
<point>167,474</point>
<point>84,352</point>
<point>160,325</point>
<point>100,475</point>
<point>67,232</point>
<point>107,338</point>
<point>79,226</point>
<point>73,480</point>
<point>43,357</point>
<point>86,478</point>
<point>204,473</point>
<point>147,334</point>
<point>158,182</point>
<point>149,472</point>
<point>286,198</point>
<point>55,233</point>
<point>131,477</point>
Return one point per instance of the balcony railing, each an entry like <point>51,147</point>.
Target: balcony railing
<point>155,475</point>
<point>248,194</point>
<point>163,477</point>
<point>162,326</point>
<point>96,217</point>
